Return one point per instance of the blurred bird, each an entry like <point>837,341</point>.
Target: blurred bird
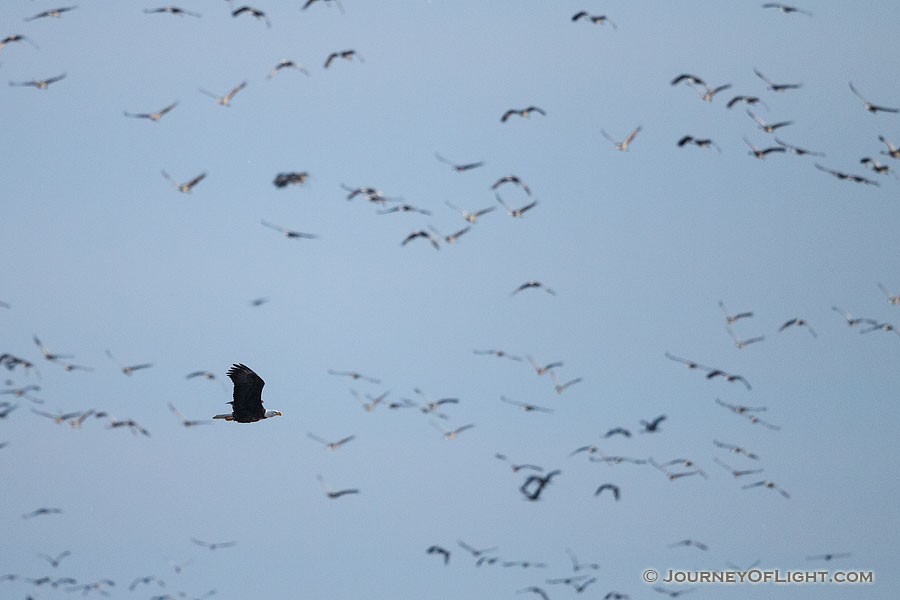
<point>184,187</point>
<point>767,484</point>
<point>288,232</point>
<point>768,127</point>
<point>332,493</point>
<point>608,486</point>
<point>796,149</point>
<point>746,100</point>
<point>735,472</point>
<point>872,108</point>
<point>847,176</point>
<point>595,19</point>
<point>471,217</point>
<point>459,167</point>
<point>254,12</point>
<point>522,112</point>
<point>156,116</point>
<point>786,9</point>
<point>561,387</point>
<point>450,434</point>
<point>128,369</point>
<point>762,153</point>
<point>517,467</point>
<point>892,150</point>
<point>498,354</point>
<point>213,545</point>
<point>729,318</point>
<point>172,10</point>
<point>421,233</point>
<point>184,420</point>
<point>891,298</point>
<point>354,375</point>
<point>797,322</point>
<point>525,406</point>
<point>515,212</point>
<point>743,343</point>
<point>15,37</point>
<point>777,87</point>
<point>689,542</point>
<point>330,445</point>
<point>617,431</point>
<point>55,560</point>
<point>55,12</point>
<point>830,556</point>
<point>344,54</point>
<point>40,84</point>
<point>700,143</point>
<point>736,449</point>
<point>532,285</point>
<point>287,64</point>
<point>652,426</point>
<point>226,99</point>
<point>623,145</point>
<point>439,550</point>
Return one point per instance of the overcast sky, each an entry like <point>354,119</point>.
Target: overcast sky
<point>101,252</point>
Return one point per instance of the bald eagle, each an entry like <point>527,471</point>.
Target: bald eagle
<point>247,404</point>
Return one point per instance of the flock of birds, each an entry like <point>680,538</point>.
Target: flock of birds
<point>533,482</point>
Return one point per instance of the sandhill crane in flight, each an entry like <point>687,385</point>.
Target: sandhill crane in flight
<point>128,369</point>
<point>54,12</point>
<point>334,493</point>
<point>525,406</point>
<point>288,232</point>
<point>561,387</point>
<point>829,556</point>
<point>796,149</point>
<point>512,179</point>
<point>768,484</point>
<point>892,150</point>
<point>700,143</point>
<point>623,145</point>
<point>877,167</point>
<point>735,472</point>
<point>354,375</point>
<point>40,84</point>
<point>471,217</point>
<point>421,233</point>
<point>345,54</point>
<point>255,12</point>
<point>184,187</point>
<point>15,37</point>
<point>786,9</point>
<point>172,10</point>
<point>337,2</point>
<point>457,166</point>
<point>847,176</point>
<point>891,298</point>
<point>777,87</point>
<point>449,434</point>
<point>746,100</point>
<point>652,426</point>
<point>691,79</point>
<point>226,99</point>
<point>453,237</point>
<point>798,322</point>
<point>729,318</point>
<point>611,487</point>
<point>595,19</point>
<point>532,285</point>
<point>754,151</point>
<point>212,545</point>
<point>515,212</point>
<point>155,116</point>
<point>768,127</point>
<point>522,112</point>
<point>498,354</point>
<point>872,108</point>
<point>743,343</point>
<point>330,445</point>
<point>287,64</point>
<point>515,469</point>
<point>438,549</point>
<point>736,449</point>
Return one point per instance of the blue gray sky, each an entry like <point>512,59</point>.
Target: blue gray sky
<point>101,252</point>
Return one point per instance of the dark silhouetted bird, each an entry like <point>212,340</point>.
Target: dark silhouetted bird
<point>247,405</point>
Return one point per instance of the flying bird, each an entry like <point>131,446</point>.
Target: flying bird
<point>147,580</point>
<point>247,405</point>
<point>786,9</point>
<point>728,377</point>
<point>689,542</point>
<point>522,112</point>
<point>474,551</point>
<point>736,449</point>
<point>691,79</point>
<point>213,545</point>
<point>830,556</point>
<point>542,369</point>
<point>751,100</point>
<point>736,473</point>
<point>337,2</point>
<point>796,149</point>
<point>854,321</point>
<point>128,369</point>
<point>767,484</point>
<point>332,493</point>
<point>623,145</point>
<point>617,431</point>
<point>687,363</point>
<point>671,593</point>
<point>891,298</point>
<point>777,87</point>
<point>184,420</point>
<point>47,354</point>
<point>255,12</point>
<point>330,445</point>
<point>532,285</point>
<point>42,511</point>
<point>611,487</point>
<point>172,10</point>
<point>471,217</point>
<point>797,322</point>
<point>577,566</point>
<point>345,54</point>
<point>498,354</point>
<point>15,37</point>
<point>872,108</point>
<point>561,387</point>
<point>743,343</point>
<point>847,176</point>
<point>534,590</point>
<point>40,84</point>
<point>55,12</point>
<point>768,127</point>
<point>729,318</point>
<point>55,560</point>
<point>205,374</point>
<point>287,64</point>
<point>517,467</point>
<point>226,99</point>
<point>515,212</point>
<point>595,19</point>
<point>421,233</point>
<point>459,167</point>
<point>439,550</point>
<point>892,150</point>
<point>539,483</point>
<point>404,208</point>
<point>707,94</point>
<point>450,434</point>
<point>290,233</point>
<point>156,116</point>
<point>511,179</point>
<point>700,143</point>
<point>354,375</point>
<point>525,406</point>
<point>762,153</point>
<point>874,165</point>
<point>652,426</point>
<point>184,187</point>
